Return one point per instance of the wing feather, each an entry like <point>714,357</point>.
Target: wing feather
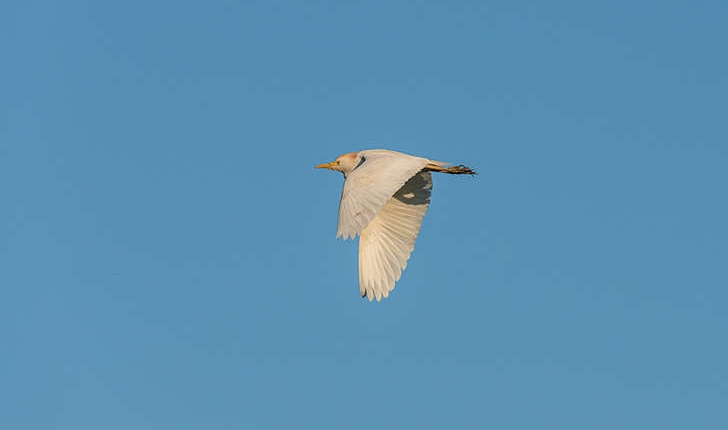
<point>388,240</point>
<point>371,185</point>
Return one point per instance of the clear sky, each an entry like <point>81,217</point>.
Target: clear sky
<point>168,255</point>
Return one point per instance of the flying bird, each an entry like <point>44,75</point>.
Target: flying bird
<point>386,194</point>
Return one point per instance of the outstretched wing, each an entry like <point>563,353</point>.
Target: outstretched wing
<point>386,243</point>
<point>368,187</point>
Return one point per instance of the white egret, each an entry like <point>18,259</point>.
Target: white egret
<point>386,194</point>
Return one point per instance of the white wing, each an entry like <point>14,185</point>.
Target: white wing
<point>386,243</point>
<point>368,187</point>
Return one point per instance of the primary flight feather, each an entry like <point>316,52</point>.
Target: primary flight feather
<point>386,194</point>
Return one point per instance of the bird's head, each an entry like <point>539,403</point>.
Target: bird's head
<point>344,163</point>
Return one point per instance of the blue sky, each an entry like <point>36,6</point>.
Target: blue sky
<point>168,255</point>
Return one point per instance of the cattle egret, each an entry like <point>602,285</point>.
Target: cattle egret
<point>386,194</point>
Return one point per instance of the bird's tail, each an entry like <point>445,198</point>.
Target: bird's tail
<point>437,166</point>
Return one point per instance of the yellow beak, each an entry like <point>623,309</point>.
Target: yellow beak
<point>330,165</point>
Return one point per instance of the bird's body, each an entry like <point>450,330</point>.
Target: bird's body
<point>386,194</point>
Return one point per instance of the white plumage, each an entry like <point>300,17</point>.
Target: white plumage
<point>386,194</point>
